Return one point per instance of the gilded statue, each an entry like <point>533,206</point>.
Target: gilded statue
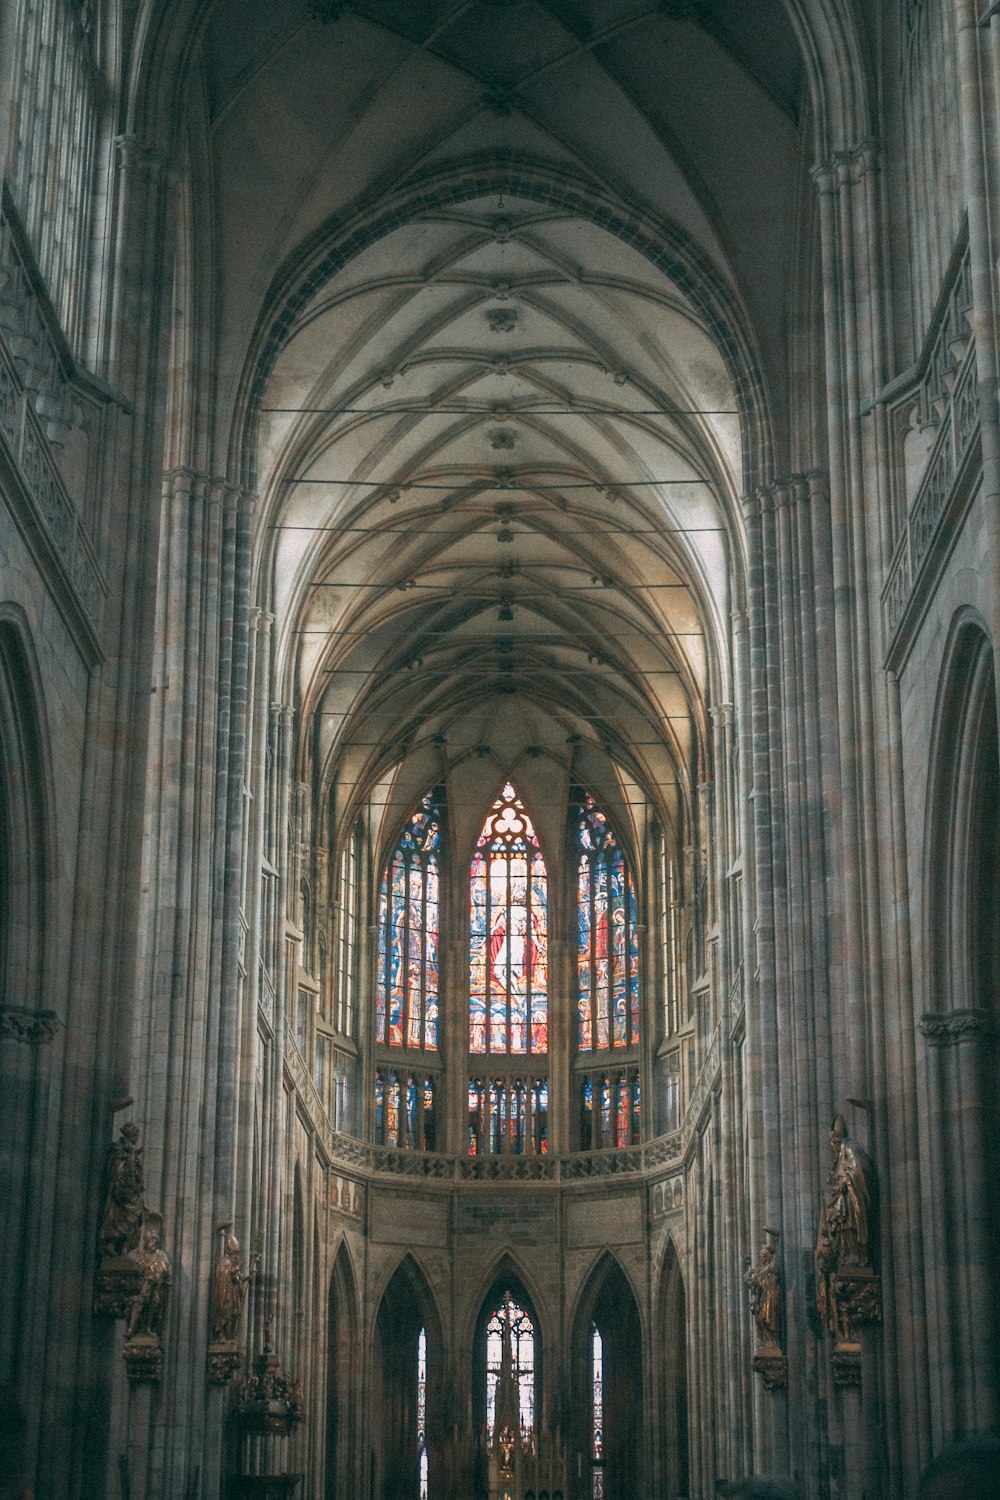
<point>849,1200</point>
<point>229,1291</point>
<point>119,1231</point>
<point>764,1287</point>
<point>147,1310</point>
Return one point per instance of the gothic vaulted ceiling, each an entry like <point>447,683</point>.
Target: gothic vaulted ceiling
<point>497,439</point>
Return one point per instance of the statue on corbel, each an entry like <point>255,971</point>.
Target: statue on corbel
<point>147,1311</point>
<point>119,1276</point>
<point>763,1283</point>
<point>229,1292</point>
<point>848,1288</point>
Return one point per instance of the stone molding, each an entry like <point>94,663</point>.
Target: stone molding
<point>34,1027</point>
<point>945,1028</point>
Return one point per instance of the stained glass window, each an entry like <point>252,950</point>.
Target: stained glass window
<point>350,861</point>
<point>404,1110</point>
<point>609,1110</point>
<point>508,1115</point>
<point>607,936</point>
<point>597,1412</point>
<point>508,908</point>
<point>509,1324</point>
<point>406,980</point>
<point>422,1411</point>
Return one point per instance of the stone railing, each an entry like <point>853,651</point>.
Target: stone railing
<point>939,398</point>
<point>349,1154</point>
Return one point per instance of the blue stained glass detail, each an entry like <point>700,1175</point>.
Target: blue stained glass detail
<point>607,937</point>
<point>406,980</point>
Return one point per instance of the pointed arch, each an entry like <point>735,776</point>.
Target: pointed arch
<point>670,1342</point>
<point>298,1243</point>
<point>407,962</point>
<point>407,1308</point>
<point>607,1302</point>
<point>344,1378</point>
<point>507,1275</point>
<point>961,920</point>
<point>26,831</point>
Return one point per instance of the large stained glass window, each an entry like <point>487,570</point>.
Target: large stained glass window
<point>510,1368</point>
<point>607,936</point>
<point>406,980</point>
<point>508,989</point>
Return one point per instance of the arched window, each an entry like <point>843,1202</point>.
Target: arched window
<point>406,980</point>
<point>607,936</point>
<point>423,1465</point>
<point>597,1411</point>
<point>508,906</point>
<point>510,1370</point>
<point>347,924</point>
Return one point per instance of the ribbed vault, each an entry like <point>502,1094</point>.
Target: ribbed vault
<point>505,387</point>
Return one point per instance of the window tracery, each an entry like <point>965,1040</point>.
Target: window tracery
<point>607,936</point>
<point>406,982</point>
<point>508,917</point>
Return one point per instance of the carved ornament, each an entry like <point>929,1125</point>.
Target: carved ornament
<point>945,1028</point>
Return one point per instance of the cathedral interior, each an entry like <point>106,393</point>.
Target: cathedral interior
<point>499,771</point>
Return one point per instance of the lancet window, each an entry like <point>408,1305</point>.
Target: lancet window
<point>609,1110</point>
<point>607,936</point>
<point>510,1371</point>
<point>422,1462</point>
<point>597,1413</point>
<point>406,980</point>
<point>404,1110</point>
<point>508,1115</point>
<point>508,915</point>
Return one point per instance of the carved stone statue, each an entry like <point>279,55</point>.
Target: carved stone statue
<point>765,1298</point>
<point>229,1292</point>
<point>148,1307</point>
<point>849,1199</point>
<point>119,1231</point>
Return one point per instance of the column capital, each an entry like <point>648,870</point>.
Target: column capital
<point>945,1028</point>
